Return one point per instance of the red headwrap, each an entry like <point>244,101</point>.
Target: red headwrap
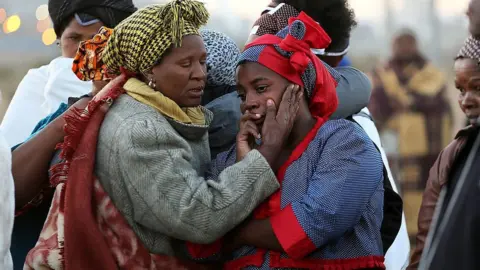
<point>292,58</point>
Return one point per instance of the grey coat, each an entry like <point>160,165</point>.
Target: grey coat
<point>153,167</point>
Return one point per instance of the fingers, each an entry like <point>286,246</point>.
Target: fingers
<point>289,105</point>
<point>249,116</point>
<point>297,98</point>
<point>247,126</point>
<point>271,111</point>
<point>252,129</point>
<point>287,96</point>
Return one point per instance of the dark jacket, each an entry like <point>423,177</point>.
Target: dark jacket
<point>438,178</point>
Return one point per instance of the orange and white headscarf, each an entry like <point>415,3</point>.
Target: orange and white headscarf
<point>88,64</point>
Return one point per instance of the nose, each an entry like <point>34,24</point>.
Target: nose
<point>199,72</point>
<point>468,100</point>
<point>251,104</point>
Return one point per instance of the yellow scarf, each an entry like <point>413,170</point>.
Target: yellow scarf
<point>146,95</point>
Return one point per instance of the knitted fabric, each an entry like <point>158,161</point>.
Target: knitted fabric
<point>470,49</point>
<point>138,43</point>
<point>223,55</point>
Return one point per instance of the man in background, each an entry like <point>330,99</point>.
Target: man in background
<point>413,116</point>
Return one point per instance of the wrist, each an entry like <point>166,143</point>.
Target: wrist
<point>269,152</point>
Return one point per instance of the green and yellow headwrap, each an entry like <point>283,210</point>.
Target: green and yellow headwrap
<point>138,43</point>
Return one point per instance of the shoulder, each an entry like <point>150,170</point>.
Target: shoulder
<point>448,155</point>
<point>42,71</point>
<point>438,174</point>
<point>453,148</point>
<point>35,80</point>
<point>346,139</point>
<point>130,122</point>
<point>353,75</point>
<point>465,132</point>
<point>335,129</point>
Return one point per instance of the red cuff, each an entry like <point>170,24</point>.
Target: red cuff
<point>199,251</point>
<point>35,202</point>
<point>290,234</point>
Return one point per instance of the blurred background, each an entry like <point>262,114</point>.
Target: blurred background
<point>27,39</point>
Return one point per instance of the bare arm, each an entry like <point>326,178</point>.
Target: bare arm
<point>31,160</point>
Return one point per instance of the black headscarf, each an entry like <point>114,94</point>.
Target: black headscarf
<point>109,12</point>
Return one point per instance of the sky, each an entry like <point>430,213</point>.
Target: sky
<point>364,9</point>
<point>369,12</point>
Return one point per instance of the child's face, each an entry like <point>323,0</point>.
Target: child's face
<point>467,81</point>
<point>255,85</point>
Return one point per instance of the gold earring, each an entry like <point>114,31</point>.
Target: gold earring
<point>152,84</point>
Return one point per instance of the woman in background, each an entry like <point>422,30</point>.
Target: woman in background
<point>43,89</point>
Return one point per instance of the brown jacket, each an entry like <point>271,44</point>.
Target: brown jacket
<point>438,177</point>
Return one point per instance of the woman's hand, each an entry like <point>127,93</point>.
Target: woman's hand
<point>247,134</point>
<point>278,124</point>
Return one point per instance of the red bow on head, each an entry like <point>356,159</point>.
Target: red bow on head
<point>304,33</point>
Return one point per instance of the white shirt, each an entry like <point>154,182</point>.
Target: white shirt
<point>7,205</point>
<point>398,254</point>
<point>39,94</point>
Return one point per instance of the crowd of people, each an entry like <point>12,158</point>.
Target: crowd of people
<point>156,143</point>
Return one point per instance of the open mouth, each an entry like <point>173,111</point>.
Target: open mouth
<point>196,92</point>
<point>198,89</point>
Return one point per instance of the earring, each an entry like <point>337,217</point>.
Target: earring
<point>152,84</point>
<point>58,43</point>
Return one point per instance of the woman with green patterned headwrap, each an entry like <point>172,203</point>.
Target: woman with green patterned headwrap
<point>137,156</point>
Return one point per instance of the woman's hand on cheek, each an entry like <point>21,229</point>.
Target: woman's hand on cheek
<point>247,134</point>
<point>278,124</point>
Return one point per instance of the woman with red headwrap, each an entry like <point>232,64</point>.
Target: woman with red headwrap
<point>328,212</point>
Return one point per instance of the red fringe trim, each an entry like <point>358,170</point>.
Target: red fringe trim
<point>76,123</point>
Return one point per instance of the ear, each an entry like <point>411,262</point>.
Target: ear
<point>148,75</point>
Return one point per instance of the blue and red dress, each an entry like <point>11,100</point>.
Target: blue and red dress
<point>329,210</point>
